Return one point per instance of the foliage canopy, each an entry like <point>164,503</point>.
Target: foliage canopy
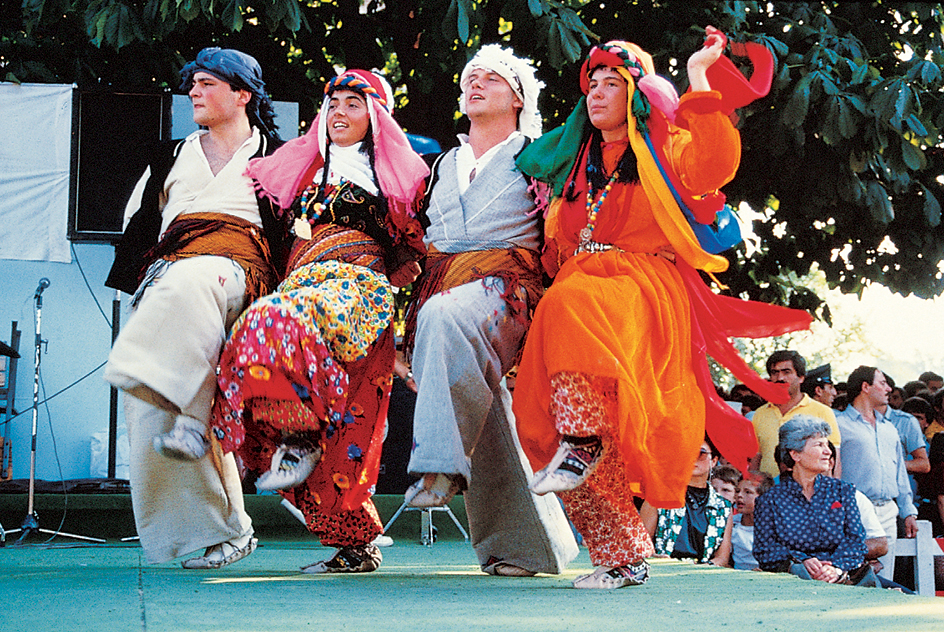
<point>843,158</point>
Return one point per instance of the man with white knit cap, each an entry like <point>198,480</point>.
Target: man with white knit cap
<point>467,323</point>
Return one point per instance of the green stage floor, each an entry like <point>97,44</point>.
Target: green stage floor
<point>418,588</point>
<point>73,587</point>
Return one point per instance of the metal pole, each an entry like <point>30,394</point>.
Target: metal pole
<point>36,359</point>
<point>113,395</point>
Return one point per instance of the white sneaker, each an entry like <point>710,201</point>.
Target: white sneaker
<point>291,465</point>
<point>181,443</point>
<point>609,578</point>
<point>569,468</point>
<point>383,540</point>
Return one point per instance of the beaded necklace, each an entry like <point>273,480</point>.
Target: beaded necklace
<point>593,209</point>
<point>303,224</point>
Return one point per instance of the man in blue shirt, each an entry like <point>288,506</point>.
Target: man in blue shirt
<point>873,459</point>
<point>913,443</point>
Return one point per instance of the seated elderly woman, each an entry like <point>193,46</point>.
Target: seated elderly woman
<point>809,524</point>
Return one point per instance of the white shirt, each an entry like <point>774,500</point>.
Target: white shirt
<point>466,161</point>
<point>191,187</point>
<point>870,521</point>
<point>742,544</point>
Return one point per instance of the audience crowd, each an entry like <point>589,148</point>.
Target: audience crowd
<point>864,438</point>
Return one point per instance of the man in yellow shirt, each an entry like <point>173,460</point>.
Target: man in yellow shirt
<point>787,367</point>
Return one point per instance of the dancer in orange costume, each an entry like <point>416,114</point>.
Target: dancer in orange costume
<point>613,390</point>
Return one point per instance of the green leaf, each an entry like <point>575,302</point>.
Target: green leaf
<point>859,72</point>
<point>879,204</point>
<point>294,18</point>
<point>840,121</point>
<point>799,103</point>
<point>125,27</point>
<point>231,16</point>
<point>890,100</point>
<point>857,102</point>
<point>850,189</point>
<point>188,9</point>
<point>903,101</point>
<point>462,20</point>
<point>782,81</point>
<point>829,86</point>
<point>912,155</point>
<point>570,18</point>
<point>536,7</point>
<point>829,128</point>
<point>932,207</point>
<point>774,45</point>
<point>930,72</point>
<point>553,46</point>
<point>111,27</point>
<point>568,45</point>
<point>99,27</point>
<point>848,121</point>
<point>916,125</point>
<point>449,21</point>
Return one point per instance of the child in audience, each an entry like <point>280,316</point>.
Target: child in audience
<point>725,479</point>
<point>740,529</point>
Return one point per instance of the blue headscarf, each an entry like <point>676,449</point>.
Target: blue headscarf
<point>238,69</point>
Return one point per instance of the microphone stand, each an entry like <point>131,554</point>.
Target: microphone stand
<point>31,521</point>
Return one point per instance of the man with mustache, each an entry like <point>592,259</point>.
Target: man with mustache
<point>788,367</point>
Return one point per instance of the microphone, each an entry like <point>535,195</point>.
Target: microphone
<point>43,284</point>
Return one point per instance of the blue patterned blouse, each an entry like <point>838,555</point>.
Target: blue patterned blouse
<point>789,528</point>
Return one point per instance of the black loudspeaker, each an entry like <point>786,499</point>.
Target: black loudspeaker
<point>111,135</point>
<point>393,478</point>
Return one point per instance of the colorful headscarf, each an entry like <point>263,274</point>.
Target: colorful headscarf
<point>651,103</point>
<point>519,73</point>
<point>400,170</point>
<point>635,66</point>
<point>236,68</point>
<point>373,87</point>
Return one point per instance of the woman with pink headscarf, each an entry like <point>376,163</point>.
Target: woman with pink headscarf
<point>305,376</point>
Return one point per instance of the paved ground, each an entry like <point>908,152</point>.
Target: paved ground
<point>109,587</point>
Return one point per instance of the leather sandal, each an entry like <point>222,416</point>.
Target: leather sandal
<point>220,555</point>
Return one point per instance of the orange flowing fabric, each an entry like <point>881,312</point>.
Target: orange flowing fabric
<point>628,314</point>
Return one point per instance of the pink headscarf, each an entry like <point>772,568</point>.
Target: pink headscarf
<point>400,170</point>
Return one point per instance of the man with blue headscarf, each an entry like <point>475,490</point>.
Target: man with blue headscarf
<point>198,247</point>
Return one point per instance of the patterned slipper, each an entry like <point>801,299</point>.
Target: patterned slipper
<point>365,558</point>
<point>610,578</point>
<point>571,466</point>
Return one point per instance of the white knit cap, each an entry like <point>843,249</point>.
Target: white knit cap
<point>519,73</point>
